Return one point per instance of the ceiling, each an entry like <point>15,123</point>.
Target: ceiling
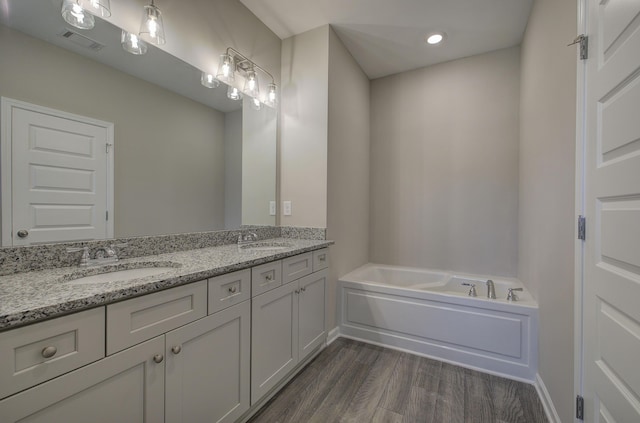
<point>387,36</point>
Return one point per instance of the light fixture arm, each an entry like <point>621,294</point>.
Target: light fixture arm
<point>253,64</point>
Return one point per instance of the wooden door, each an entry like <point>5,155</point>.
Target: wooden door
<point>207,376</point>
<point>612,200</point>
<point>311,314</point>
<point>274,338</point>
<point>57,176</point>
<point>124,387</point>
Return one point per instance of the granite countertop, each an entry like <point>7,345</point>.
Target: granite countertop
<point>33,296</point>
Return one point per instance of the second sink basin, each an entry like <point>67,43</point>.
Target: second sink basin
<point>118,274</point>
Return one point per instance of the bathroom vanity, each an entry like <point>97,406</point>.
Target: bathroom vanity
<point>211,340</point>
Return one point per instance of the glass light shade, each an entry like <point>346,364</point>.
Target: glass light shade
<point>151,27</point>
<point>209,81</point>
<point>233,93</point>
<point>272,95</point>
<point>255,104</point>
<point>100,8</point>
<point>131,43</point>
<point>226,69</point>
<point>251,84</point>
<point>76,16</point>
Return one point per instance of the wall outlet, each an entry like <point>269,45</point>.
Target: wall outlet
<point>287,208</point>
<point>272,208</point>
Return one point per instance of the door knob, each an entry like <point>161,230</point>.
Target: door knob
<point>23,233</point>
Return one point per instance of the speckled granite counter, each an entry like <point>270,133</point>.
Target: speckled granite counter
<point>32,296</point>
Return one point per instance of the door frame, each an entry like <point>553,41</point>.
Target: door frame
<point>6,191</point>
<point>580,206</point>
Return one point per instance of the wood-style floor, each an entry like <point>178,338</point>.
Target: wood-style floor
<point>356,382</point>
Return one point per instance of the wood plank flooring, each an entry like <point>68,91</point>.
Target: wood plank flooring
<point>354,382</point>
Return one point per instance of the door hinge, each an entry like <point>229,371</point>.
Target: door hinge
<point>582,228</point>
<point>107,215</point>
<point>579,407</point>
<point>583,40</point>
<point>108,146</point>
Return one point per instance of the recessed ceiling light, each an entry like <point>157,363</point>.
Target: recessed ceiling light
<point>435,38</point>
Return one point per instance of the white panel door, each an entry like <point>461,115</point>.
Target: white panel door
<point>612,191</point>
<point>61,175</point>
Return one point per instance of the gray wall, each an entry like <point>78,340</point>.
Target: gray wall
<point>444,165</point>
<point>169,170</point>
<point>303,127</point>
<point>547,188</point>
<point>348,163</point>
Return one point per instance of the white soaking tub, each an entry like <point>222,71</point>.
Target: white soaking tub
<point>430,313</point>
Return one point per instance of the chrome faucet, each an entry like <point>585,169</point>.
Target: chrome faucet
<point>247,238</point>
<point>511,296</point>
<point>472,289</point>
<point>491,290</point>
<point>103,255</point>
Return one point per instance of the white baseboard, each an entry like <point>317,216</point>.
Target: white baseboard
<point>333,335</point>
<point>545,398</point>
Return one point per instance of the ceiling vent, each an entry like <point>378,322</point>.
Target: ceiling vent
<point>81,40</point>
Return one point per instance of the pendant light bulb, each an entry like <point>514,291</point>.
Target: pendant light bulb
<point>131,43</point>
<point>209,81</point>
<point>151,27</point>
<point>101,8</point>
<point>233,93</point>
<point>272,95</point>
<point>76,16</point>
<point>251,84</point>
<point>226,69</point>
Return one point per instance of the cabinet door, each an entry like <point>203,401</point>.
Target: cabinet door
<point>207,377</point>
<point>274,338</point>
<point>125,387</point>
<point>311,312</point>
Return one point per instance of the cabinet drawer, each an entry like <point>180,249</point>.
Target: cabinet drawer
<point>42,351</point>
<point>296,267</point>
<point>320,259</point>
<point>266,277</point>
<point>133,321</point>
<point>228,290</point>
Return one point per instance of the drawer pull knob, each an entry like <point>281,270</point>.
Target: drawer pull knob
<point>232,289</point>
<point>297,291</point>
<point>321,258</point>
<point>158,358</point>
<point>303,289</point>
<point>176,349</point>
<point>49,352</point>
<point>269,278</point>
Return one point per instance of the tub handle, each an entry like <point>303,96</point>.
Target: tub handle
<point>472,290</point>
<point>511,296</point>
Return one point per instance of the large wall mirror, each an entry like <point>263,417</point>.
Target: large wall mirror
<point>185,157</point>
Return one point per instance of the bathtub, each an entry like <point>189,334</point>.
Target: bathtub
<point>430,313</point>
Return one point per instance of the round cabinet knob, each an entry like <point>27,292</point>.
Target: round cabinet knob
<point>49,352</point>
<point>232,289</point>
<point>269,277</point>
<point>23,233</point>
<point>158,358</point>
<point>176,349</point>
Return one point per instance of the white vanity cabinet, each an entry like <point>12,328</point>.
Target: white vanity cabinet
<point>201,352</point>
<point>288,323</point>
<point>125,387</point>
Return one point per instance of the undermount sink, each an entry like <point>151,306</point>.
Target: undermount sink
<point>265,246</point>
<point>118,274</point>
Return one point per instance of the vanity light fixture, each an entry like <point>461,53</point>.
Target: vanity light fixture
<point>151,27</point>
<point>233,61</point>
<point>76,16</point>
<point>131,43</point>
<point>233,93</point>
<point>209,81</point>
<point>434,38</point>
<point>100,8</point>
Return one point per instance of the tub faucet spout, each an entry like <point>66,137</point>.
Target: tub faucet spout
<point>491,290</point>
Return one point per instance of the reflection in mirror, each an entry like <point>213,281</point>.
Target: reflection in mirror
<point>185,158</point>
